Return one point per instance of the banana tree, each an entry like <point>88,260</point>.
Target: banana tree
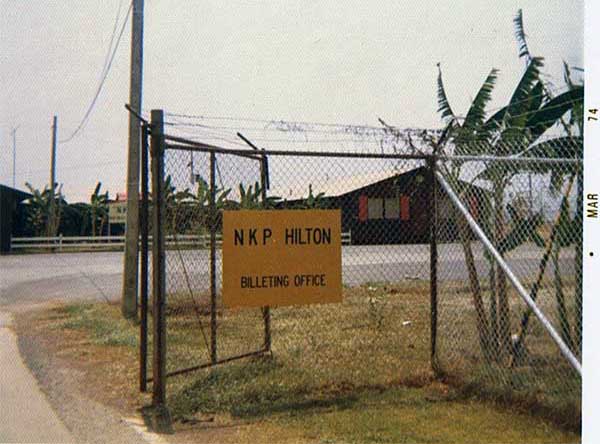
<point>202,202</point>
<point>75,220</point>
<point>511,131</point>
<point>98,209</point>
<point>44,210</point>
<point>313,201</point>
<point>467,140</point>
<point>176,204</point>
<point>251,198</point>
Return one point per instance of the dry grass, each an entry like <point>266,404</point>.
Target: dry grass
<point>378,335</point>
<point>352,372</point>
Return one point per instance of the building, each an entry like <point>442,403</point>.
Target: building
<point>10,200</point>
<point>390,207</point>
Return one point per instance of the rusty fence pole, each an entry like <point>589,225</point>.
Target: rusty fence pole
<point>144,263</point>
<point>264,184</point>
<point>212,219</point>
<point>433,261</point>
<point>161,416</point>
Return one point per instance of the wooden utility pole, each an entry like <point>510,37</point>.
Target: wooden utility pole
<point>14,166</point>
<point>131,262</point>
<point>52,216</point>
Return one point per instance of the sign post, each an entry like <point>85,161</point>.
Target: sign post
<point>281,257</point>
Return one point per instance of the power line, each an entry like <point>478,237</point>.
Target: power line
<point>102,80</point>
<point>112,36</point>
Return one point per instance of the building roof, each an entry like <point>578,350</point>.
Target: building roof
<point>339,185</point>
<point>15,194</point>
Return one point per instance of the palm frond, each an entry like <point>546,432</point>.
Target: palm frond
<point>538,95</point>
<point>494,123</point>
<point>443,105</point>
<point>520,102</point>
<point>521,36</point>
<point>546,116</point>
<point>476,114</point>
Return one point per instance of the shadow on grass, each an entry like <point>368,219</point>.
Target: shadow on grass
<point>561,408</point>
<point>257,388</point>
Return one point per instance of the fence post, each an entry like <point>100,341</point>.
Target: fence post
<point>161,416</point>
<point>144,263</point>
<point>433,260</point>
<point>264,180</point>
<point>213,259</point>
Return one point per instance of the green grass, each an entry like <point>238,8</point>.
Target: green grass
<point>405,415</point>
<point>543,383</point>
<point>105,327</point>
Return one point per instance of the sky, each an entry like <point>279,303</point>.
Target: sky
<point>328,61</point>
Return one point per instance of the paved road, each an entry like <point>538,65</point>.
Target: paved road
<point>97,276</point>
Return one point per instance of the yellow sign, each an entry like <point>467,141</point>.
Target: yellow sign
<point>117,212</point>
<point>281,257</point>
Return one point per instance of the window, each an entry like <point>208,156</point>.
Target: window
<point>375,208</point>
<point>392,208</point>
<point>379,208</point>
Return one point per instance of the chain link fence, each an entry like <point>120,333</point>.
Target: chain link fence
<point>380,333</point>
<point>489,340</point>
<point>423,297</point>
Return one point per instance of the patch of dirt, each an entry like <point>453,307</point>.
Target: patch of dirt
<point>93,387</point>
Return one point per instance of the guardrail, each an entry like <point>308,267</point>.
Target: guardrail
<point>94,243</point>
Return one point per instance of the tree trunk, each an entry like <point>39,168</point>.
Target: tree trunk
<point>93,221</point>
<point>541,270</point>
<point>482,322</point>
<point>493,305</point>
<point>565,327</point>
<point>101,228</point>
<point>503,331</point>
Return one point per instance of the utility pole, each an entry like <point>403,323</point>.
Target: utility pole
<point>14,141</point>
<point>131,262</point>
<point>52,215</point>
